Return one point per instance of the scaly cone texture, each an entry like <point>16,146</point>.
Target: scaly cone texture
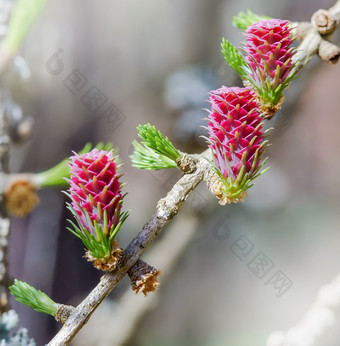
<point>96,202</point>
<point>94,187</point>
<point>236,139</point>
<point>270,57</point>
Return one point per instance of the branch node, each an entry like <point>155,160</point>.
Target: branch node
<point>63,313</point>
<point>187,163</point>
<point>116,260</point>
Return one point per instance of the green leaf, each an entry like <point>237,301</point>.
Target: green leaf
<point>234,58</point>
<point>23,15</point>
<point>56,175</point>
<point>39,301</point>
<point>243,20</point>
<point>145,158</point>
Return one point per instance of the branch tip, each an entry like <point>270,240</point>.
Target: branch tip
<point>144,277</point>
<point>324,21</point>
<point>329,52</point>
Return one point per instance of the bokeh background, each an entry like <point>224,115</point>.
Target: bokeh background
<point>155,61</point>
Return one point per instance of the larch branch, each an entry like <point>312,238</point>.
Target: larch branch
<point>167,208</point>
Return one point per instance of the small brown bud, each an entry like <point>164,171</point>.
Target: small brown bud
<point>324,22</point>
<point>116,260</point>
<point>21,198</point>
<point>143,277</point>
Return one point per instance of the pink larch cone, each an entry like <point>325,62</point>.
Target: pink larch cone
<point>236,139</point>
<point>96,201</point>
<point>269,54</point>
<point>94,179</point>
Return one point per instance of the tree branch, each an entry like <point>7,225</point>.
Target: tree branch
<point>5,139</point>
<point>125,317</point>
<point>167,209</point>
<point>4,218</point>
<point>314,42</point>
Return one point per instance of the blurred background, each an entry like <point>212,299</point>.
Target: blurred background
<point>155,61</point>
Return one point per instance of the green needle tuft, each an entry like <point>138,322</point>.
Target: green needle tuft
<point>155,151</point>
<point>28,295</point>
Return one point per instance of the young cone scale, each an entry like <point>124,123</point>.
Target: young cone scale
<point>96,203</point>
<point>269,54</point>
<point>236,139</point>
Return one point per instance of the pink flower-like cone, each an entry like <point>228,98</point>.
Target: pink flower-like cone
<point>236,140</point>
<point>269,54</point>
<point>96,202</point>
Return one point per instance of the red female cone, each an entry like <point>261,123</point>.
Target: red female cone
<point>96,202</point>
<point>236,139</point>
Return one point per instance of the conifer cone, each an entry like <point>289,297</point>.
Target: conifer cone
<point>269,54</point>
<point>96,203</point>
<point>236,139</point>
